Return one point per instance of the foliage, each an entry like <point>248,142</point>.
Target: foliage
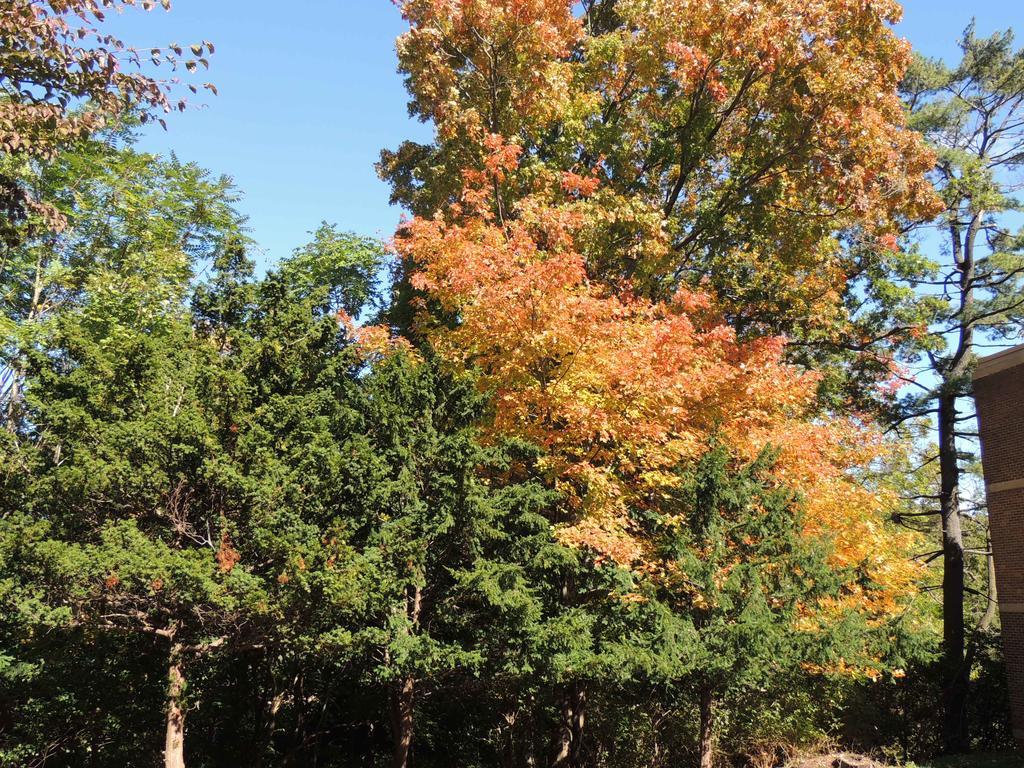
<point>971,296</point>
<point>592,485</point>
<point>620,391</point>
<point>64,78</point>
<point>755,152</point>
<point>625,377</point>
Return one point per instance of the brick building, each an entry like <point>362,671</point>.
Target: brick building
<point>999,391</point>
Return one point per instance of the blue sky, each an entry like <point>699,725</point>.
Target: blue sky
<point>309,95</point>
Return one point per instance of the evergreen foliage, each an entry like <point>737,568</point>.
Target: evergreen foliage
<point>581,504</point>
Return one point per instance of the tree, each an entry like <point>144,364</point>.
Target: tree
<point>758,153</point>
<point>62,78</point>
<point>971,116</point>
<point>101,418</point>
<point>148,444</point>
<point>631,218</point>
<point>606,384</point>
<point>343,263</point>
<point>434,534</point>
<point>409,570</point>
<point>112,518</point>
<point>761,594</point>
<point>125,211</point>
<point>621,393</point>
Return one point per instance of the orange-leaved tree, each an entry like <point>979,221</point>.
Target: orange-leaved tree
<point>635,218</point>
<point>754,151</point>
<point>626,394</point>
<point>619,389</point>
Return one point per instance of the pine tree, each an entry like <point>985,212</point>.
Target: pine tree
<point>973,294</point>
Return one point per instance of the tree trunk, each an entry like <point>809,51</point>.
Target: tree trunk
<point>578,721</point>
<point>13,396</point>
<point>563,741</point>
<point>17,366</point>
<point>508,747</point>
<point>992,591</point>
<point>707,729</point>
<point>530,747</point>
<point>956,673</point>
<point>987,617</point>
<point>570,730</point>
<point>265,729</point>
<point>403,692</point>
<point>402,698</point>
<point>174,744</point>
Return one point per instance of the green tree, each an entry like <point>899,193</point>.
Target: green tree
<point>162,475</point>
<point>755,589</point>
<point>970,114</point>
<point>102,422</point>
<point>129,215</point>
<point>431,522</point>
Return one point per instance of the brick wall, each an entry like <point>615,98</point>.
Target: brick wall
<point>999,392</point>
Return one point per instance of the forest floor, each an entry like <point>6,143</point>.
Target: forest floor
<point>979,760</point>
<point>853,760</point>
